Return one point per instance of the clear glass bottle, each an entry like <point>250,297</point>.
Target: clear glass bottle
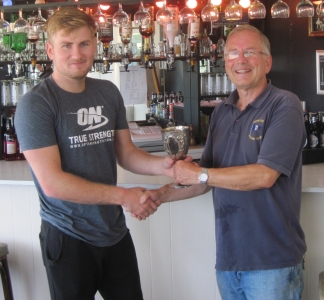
<point>313,133</point>
<point>19,35</point>
<point>4,35</point>
<point>39,23</point>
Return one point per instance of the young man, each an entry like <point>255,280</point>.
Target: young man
<point>252,161</point>
<point>73,130</point>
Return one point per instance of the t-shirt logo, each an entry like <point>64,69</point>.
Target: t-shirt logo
<point>92,117</point>
<point>256,130</point>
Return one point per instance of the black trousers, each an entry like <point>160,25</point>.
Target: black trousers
<point>76,270</point>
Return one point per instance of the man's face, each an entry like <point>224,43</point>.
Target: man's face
<point>246,72</point>
<point>72,53</point>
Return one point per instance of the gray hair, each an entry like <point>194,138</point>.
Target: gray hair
<point>265,44</point>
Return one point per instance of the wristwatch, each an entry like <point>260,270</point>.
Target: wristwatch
<point>203,177</point>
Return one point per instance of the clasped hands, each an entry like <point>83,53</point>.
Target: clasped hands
<point>182,171</point>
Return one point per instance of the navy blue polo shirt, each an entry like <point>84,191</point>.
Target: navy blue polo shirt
<point>260,229</point>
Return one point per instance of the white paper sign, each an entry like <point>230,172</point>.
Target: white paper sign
<point>133,86</point>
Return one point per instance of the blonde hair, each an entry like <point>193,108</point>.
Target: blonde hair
<point>265,44</point>
<point>69,19</point>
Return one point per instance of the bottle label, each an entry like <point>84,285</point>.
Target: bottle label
<point>173,26</point>
<point>11,147</point>
<point>126,31</point>
<point>194,29</point>
<point>313,141</point>
<point>322,140</point>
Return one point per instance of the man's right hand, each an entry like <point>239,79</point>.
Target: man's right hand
<point>134,206</point>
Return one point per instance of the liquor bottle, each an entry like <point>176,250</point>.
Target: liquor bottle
<point>19,35</point>
<point>39,23</point>
<point>194,31</point>
<point>172,97</point>
<point>105,34</point>
<point>170,123</point>
<point>306,121</point>
<point>193,37</point>
<point>4,25</point>
<point>146,30</point>
<point>180,97</point>
<point>321,132</point>
<point>166,106</point>
<point>19,154</point>
<point>160,97</point>
<point>313,133</point>
<point>220,46</point>
<point>9,142</point>
<point>126,32</point>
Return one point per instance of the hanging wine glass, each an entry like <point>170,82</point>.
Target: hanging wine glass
<point>256,10</point>
<point>233,11</point>
<point>209,13</point>
<point>305,8</point>
<point>280,9</point>
<point>19,39</point>
<point>120,17</point>
<point>187,15</point>
<point>163,15</point>
<point>126,36</point>
<point>4,36</point>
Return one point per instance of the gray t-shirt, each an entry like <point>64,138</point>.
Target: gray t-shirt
<point>258,229</point>
<point>83,127</point>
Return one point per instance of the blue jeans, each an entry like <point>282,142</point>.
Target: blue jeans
<point>278,284</point>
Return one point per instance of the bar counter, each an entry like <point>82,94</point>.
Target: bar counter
<point>175,247</point>
<point>18,173</point>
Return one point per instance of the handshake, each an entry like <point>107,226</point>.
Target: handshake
<point>142,203</point>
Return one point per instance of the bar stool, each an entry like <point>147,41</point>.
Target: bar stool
<point>4,271</point>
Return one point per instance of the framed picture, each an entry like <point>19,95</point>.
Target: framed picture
<point>320,71</point>
<point>315,27</point>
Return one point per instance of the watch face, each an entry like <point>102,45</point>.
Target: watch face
<point>203,177</point>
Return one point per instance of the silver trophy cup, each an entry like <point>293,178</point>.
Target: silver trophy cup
<point>176,142</point>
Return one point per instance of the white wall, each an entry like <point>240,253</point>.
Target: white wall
<point>175,247</point>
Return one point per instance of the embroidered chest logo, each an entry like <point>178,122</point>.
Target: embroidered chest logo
<point>256,130</point>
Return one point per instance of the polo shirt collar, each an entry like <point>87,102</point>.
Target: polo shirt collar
<point>233,97</point>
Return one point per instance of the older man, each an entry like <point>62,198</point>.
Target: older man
<point>252,161</point>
